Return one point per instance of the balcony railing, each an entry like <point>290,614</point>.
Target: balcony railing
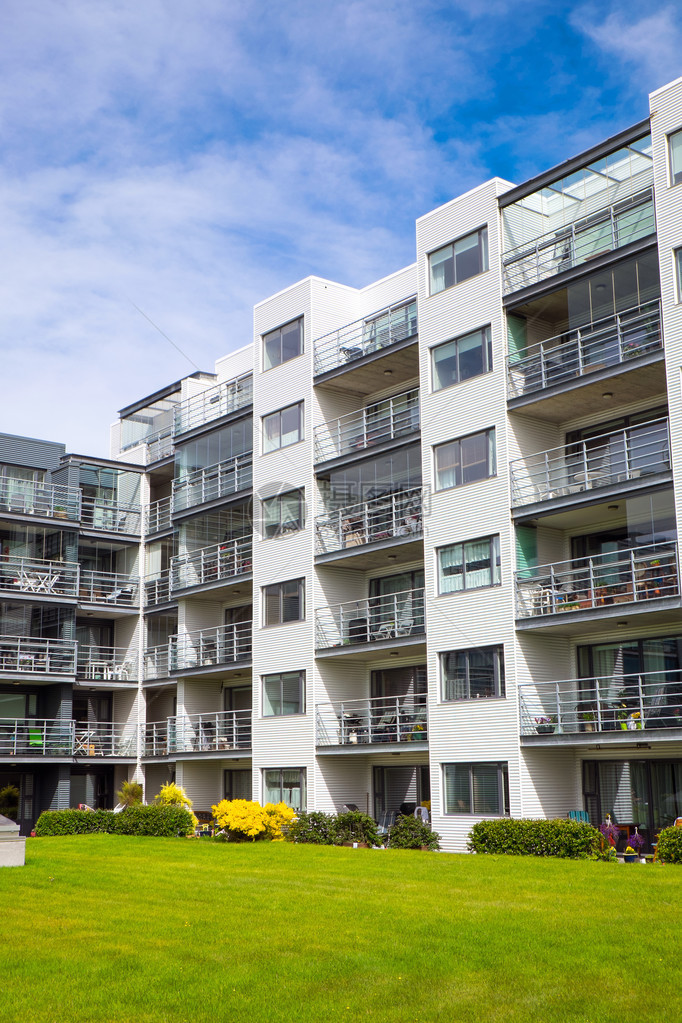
<point>363,337</point>
<point>44,578</point>
<point>391,616</point>
<point>156,661</point>
<point>215,481</point>
<point>600,461</point>
<point>213,403</point>
<point>112,663</point>
<point>159,445</point>
<point>606,342</point>
<point>629,703</point>
<point>573,245</point>
<point>29,656</point>
<point>44,499</point>
<point>382,421</point>
<point>619,577</point>
<point>198,733</point>
<point>41,737</point>
<point>392,516</point>
<point>213,564</point>
<point>157,588</point>
<point>112,589</point>
<point>224,644</point>
<point>383,719</point>
<point>111,516</point>
<point>158,516</point>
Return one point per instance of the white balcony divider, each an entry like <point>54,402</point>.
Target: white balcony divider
<point>112,589</point>
<point>229,396</point>
<point>111,516</point>
<point>575,244</point>
<point>377,423</point>
<point>30,656</point>
<point>113,663</point>
<point>597,462</point>
<point>223,644</point>
<point>602,343</point>
<point>156,661</point>
<point>157,588</point>
<point>609,703</point>
<point>382,719</point>
<point>619,577</point>
<point>41,737</point>
<point>397,515</point>
<point>391,616</point>
<point>211,732</point>
<point>214,481</point>
<point>44,499</point>
<point>30,575</point>
<point>211,564</point>
<point>158,516</point>
<point>363,337</point>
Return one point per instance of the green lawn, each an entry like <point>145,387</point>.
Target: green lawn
<point>108,928</point>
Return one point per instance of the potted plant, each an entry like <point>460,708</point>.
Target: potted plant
<point>588,717</point>
<point>629,856</point>
<point>636,843</point>
<point>544,724</point>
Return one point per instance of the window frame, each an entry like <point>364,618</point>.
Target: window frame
<point>677,265</point>
<point>449,263</point>
<point>266,450</point>
<point>292,526</point>
<point>485,334</point>
<point>303,784</point>
<point>495,564</point>
<point>675,177</point>
<point>499,685</point>
<point>458,465</point>
<point>277,678</point>
<point>281,597</point>
<point>503,802</point>
<point>277,335</point>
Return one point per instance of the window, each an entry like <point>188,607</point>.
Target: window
<point>472,674</point>
<point>284,602</point>
<point>283,513</point>
<point>237,784</point>
<point>462,358</point>
<point>678,269</point>
<point>284,693</point>
<point>675,150</point>
<point>458,261</point>
<point>481,789</point>
<point>285,785</point>
<point>282,344</point>
<point>470,565</point>
<point>283,428</point>
<point>465,460</point>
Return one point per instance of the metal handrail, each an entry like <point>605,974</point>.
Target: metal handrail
<point>156,661</point>
<point>394,417</point>
<point>54,737</point>
<point>113,589</point>
<point>370,620</point>
<point>45,499</point>
<point>159,445</point>
<point>33,656</point>
<point>212,482</point>
<point>111,516</point>
<point>212,564</point>
<point>372,333</point>
<point>44,578</point>
<point>380,719</point>
<point>114,663</point>
<point>599,461</point>
<point>158,516</point>
<point>210,732</point>
<point>605,342</point>
<point>202,648</point>
<point>382,518</point>
<point>157,588</point>
<point>213,403</point>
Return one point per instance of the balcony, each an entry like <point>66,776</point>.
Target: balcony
<point>110,516</point>
<point>365,337</point>
<point>156,662</point>
<point>106,663</point>
<point>215,481</point>
<point>217,732</point>
<point>220,563</point>
<point>360,723</point>
<point>157,588</point>
<point>109,589</point>
<point>620,459</point>
<point>42,579</point>
<point>379,423</point>
<point>606,343</point>
<point>210,648</point>
<point>625,577</point>
<point>41,737</point>
<point>387,618</point>
<point>214,403</point>
<point>159,446</point>
<point>20,497</point>
<point>396,516</point>
<point>618,707</point>
<point>158,516</point>
<point>26,655</point>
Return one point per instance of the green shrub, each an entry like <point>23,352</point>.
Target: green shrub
<point>670,845</point>
<point>355,826</point>
<point>559,837</point>
<point>159,821</point>
<point>315,828</point>
<point>74,822</point>
<point>410,832</point>
<point>130,793</point>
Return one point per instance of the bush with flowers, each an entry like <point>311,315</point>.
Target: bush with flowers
<point>242,820</point>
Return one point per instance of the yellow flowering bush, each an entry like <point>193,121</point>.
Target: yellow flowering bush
<point>171,794</point>
<point>246,819</point>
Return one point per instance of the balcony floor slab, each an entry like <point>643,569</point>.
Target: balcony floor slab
<point>661,610</point>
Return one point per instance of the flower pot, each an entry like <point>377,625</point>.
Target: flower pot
<point>630,858</point>
<point>544,729</point>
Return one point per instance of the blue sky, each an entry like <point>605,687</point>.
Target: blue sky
<point>192,158</point>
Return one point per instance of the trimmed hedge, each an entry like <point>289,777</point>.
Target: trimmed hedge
<point>506,836</point>
<point>411,833</point>
<point>315,828</point>
<point>157,821</point>
<point>670,845</point>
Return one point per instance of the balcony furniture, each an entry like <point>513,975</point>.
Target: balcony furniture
<point>357,630</point>
<point>98,670</point>
<point>579,815</point>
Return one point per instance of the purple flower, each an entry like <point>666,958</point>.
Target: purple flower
<point>636,841</point>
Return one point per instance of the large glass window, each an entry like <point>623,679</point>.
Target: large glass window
<point>462,358</point>
<point>481,789</point>
<point>282,344</point>
<point>465,460</point>
<point>284,693</point>
<point>284,602</point>
<point>472,674</point>
<point>458,261</point>
<point>675,150</point>
<point>283,513</point>
<point>469,565</point>
<point>285,785</point>
<point>237,784</point>
<point>282,428</point>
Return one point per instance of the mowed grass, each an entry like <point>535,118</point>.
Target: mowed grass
<point>110,928</point>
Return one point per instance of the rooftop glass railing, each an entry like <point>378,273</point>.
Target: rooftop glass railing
<point>390,616</point>
<point>213,482</point>
<point>387,420</point>
<point>213,403</point>
<point>382,719</point>
<point>392,516</point>
<point>364,337</point>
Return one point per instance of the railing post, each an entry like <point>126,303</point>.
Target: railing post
<point>626,452</point>
<point>583,448</point>
<point>590,565</point>
<point>557,700</point>
<point>642,723</point>
<point>633,579</point>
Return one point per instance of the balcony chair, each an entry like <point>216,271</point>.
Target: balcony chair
<point>579,815</point>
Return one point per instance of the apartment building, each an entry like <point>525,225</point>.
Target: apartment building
<point>417,542</point>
